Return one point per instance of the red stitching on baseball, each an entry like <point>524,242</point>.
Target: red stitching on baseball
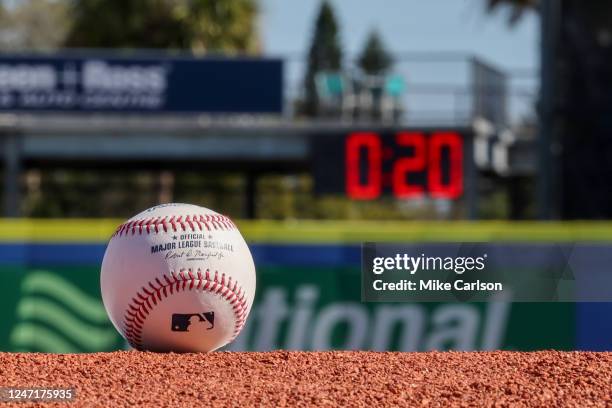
<point>195,222</point>
<point>140,306</point>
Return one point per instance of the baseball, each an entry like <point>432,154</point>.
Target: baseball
<point>178,277</point>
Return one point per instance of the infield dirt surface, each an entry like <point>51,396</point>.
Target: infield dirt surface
<point>346,378</point>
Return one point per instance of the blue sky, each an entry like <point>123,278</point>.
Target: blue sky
<point>407,25</point>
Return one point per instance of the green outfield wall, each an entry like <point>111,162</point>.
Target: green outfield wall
<point>308,293</point>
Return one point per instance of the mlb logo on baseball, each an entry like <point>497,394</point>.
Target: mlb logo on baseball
<point>182,321</point>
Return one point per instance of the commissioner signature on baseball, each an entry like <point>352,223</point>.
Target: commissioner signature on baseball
<point>194,254</point>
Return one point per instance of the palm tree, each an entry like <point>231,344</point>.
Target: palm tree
<point>518,7</point>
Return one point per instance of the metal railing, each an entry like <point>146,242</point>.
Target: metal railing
<point>439,87</point>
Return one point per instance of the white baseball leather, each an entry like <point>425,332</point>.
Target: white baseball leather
<point>178,277</point>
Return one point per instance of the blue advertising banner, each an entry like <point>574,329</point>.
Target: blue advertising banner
<point>102,83</point>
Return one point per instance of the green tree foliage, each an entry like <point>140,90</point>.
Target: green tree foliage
<point>196,25</point>
<point>374,59</point>
<point>517,7</point>
<point>33,24</point>
<point>325,54</point>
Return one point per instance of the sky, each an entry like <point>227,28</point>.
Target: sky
<point>408,26</point>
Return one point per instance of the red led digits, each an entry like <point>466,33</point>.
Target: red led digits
<point>437,188</point>
<point>356,144</point>
<point>437,156</point>
<point>415,163</point>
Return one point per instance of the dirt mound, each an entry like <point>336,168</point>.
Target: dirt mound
<point>280,378</point>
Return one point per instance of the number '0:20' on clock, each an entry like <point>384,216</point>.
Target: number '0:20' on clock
<point>404,163</point>
<point>411,164</point>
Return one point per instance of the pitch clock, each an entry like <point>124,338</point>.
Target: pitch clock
<point>407,164</point>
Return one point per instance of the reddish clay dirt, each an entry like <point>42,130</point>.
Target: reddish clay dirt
<point>130,378</point>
